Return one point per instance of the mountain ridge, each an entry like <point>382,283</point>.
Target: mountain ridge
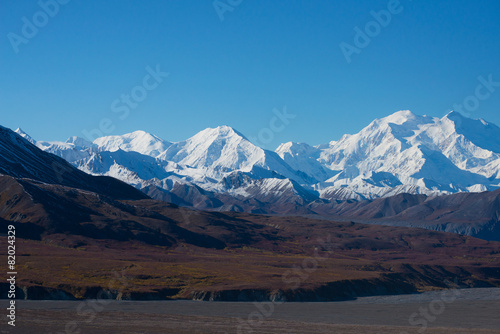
<point>213,179</point>
<point>21,159</point>
<point>220,169</point>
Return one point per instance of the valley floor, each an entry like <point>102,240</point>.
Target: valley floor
<point>453,311</point>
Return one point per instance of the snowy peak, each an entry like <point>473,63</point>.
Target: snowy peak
<point>79,142</point>
<point>73,149</point>
<point>216,152</point>
<point>401,124</point>
<point>130,167</point>
<point>23,134</point>
<point>296,149</point>
<point>304,158</point>
<point>222,131</point>
<point>400,117</point>
<point>223,137</point>
<point>137,141</point>
<point>444,155</point>
<point>221,147</point>
<point>454,115</point>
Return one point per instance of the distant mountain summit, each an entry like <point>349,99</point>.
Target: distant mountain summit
<point>138,141</point>
<point>23,134</point>
<point>222,150</point>
<point>418,154</point>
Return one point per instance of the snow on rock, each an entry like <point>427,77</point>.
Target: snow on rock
<point>219,151</point>
<point>303,157</point>
<point>400,153</point>
<point>138,141</point>
<point>23,134</point>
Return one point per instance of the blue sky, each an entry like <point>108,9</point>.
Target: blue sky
<point>263,56</point>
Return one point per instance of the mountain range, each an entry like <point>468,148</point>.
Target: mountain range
<point>219,169</point>
<point>77,232</point>
<point>401,153</point>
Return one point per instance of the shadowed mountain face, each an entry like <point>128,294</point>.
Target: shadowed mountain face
<point>58,210</point>
<point>475,214</point>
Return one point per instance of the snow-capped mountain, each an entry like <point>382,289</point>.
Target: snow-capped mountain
<point>261,190</point>
<point>138,141</point>
<point>72,150</point>
<point>204,160</point>
<point>21,159</point>
<point>23,134</point>
<point>419,154</point>
<point>305,158</point>
<point>131,167</point>
<point>215,153</point>
<point>401,153</point>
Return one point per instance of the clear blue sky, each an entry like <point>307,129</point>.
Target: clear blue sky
<point>263,55</point>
